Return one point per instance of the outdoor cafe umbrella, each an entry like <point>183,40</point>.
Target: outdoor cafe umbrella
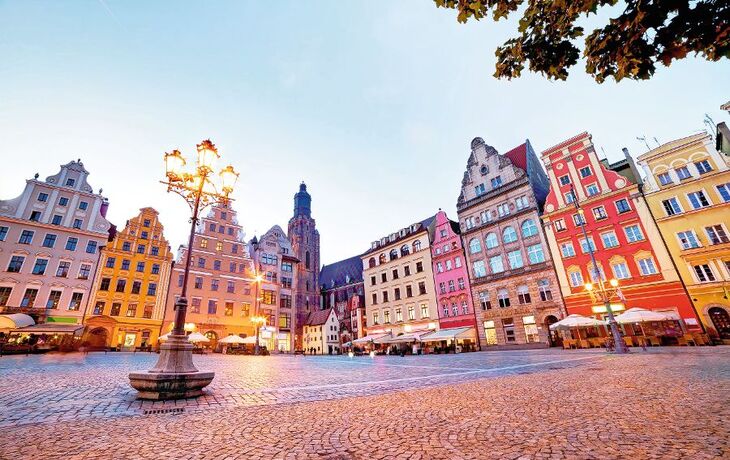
<point>197,337</point>
<point>640,315</point>
<point>231,339</point>
<point>574,321</point>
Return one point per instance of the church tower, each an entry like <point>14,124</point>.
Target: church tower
<point>304,239</point>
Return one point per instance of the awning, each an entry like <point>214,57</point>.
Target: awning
<point>15,320</point>
<point>450,334</point>
<point>370,338</point>
<point>51,328</point>
<point>409,337</point>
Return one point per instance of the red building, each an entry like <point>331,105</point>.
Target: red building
<point>453,293</point>
<point>625,238</point>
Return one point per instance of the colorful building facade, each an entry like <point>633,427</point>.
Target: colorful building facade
<point>621,230</point>
<point>130,286</point>
<point>513,281</point>
<point>451,277</point>
<point>50,238</point>
<point>688,191</point>
<point>399,293</point>
<point>222,280</point>
<point>342,288</point>
<point>321,333</point>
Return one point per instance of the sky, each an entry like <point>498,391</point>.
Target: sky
<point>372,104</point>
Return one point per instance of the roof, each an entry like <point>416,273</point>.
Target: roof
<point>341,273</point>
<point>317,318</point>
<point>423,227</point>
<point>518,156</point>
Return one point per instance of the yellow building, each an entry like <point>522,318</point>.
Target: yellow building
<point>130,287</point>
<point>688,190</point>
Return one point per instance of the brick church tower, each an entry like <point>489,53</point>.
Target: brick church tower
<point>304,239</point>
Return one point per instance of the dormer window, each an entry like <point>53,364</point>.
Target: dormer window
<point>70,182</point>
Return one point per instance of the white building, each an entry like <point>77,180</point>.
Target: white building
<point>322,333</point>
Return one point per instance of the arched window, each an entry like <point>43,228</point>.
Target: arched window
<point>543,286</point>
<point>528,228</point>
<point>393,254</point>
<point>509,235</point>
<point>491,240</point>
<point>405,250</point>
<point>523,295</point>
<point>474,246</point>
<point>381,258</point>
<point>503,297</point>
<point>371,262</point>
<point>416,245</point>
<point>306,259</point>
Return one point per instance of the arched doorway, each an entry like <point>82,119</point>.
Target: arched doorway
<point>98,338</point>
<point>213,337</point>
<point>554,337</point>
<point>721,320</point>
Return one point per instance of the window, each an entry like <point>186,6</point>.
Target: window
<point>449,265</point>
<point>599,213</point>
<point>509,235</point>
<point>91,247</point>
<point>203,243</point>
<point>647,267</point>
<point>665,178</point>
<point>212,306</point>
<point>26,237</point>
<point>393,254</point>
<point>148,309</point>
<point>216,265</point>
<point>219,246</point>
<point>398,315</point>
<point>620,270</point>
<point>140,266</point>
<point>424,311</point>
<point>75,302</point>
<point>409,291</point>
<point>63,268</point>
<point>121,285</point>
<point>523,295</point>
<point>195,304</point>
<point>71,243</point>
<point>386,316</point>
<point>285,300</point>
<point>559,225</point>
<point>125,264</point>
<point>411,312</point>
<point>535,254</point>
<point>576,278</point>
<point>56,219</point>
<point>474,246</point>
<point>528,228</point>
<point>269,297</point>
<point>152,289</point>
<point>567,249</point>
<point>480,189</point>
<point>469,222</point>
<point>496,181</point>
<point>136,287</point>
<point>3,233</point>
<point>40,266</point>
<point>42,197</point>
<point>688,240</point>
<point>484,300</point>
<point>421,288</point>
<point>503,298</point>
<point>457,262</point>
<point>116,309</point>
<point>155,251</point>
<point>110,261</point>
<point>77,223</point>
<point>682,173</point>
<point>698,199</point>
<point>704,273</point>
<point>141,248</point>
<point>63,201</point>
<point>131,310</point>
<point>496,265</point>
<point>155,269</point>
<point>543,287</point>
<point>585,171</point>
<point>440,267</point>
<point>384,277</point>
<point>671,206</point>
<point>586,245</point>
<point>717,234</point>
<point>28,299</point>
<point>703,166</point>
<point>405,250</point>
<point>49,241</point>
<point>592,189</point>
<point>228,309</point>
<point>521,203</point>
<point>16,263</point>
<point>578,219</point>
<point>201,262</point>
<point>564,180</point>
<point>99,308</point>
<point>214,285</point>
<point>419,267</point>
<point>35,216</point>
<point>515,259</point>
<point>609,240</point>
<point>452,286</point>
<point>104,286</point>
<point>385,296</point>
<point>373,280</point>
<point>633,233</point>
<point>503,210</point>
<point>231,287</point>
<point>622,206</point>
<point>84,271</point>
<point>245,309</point>
<point>375,299</point>
<point>569,197</point>
<point>83,205</point>
<point>531,333</point>
<point>723,190</point>
<point>376,319</point>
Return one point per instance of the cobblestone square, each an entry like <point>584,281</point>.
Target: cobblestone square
<point>519,404</point>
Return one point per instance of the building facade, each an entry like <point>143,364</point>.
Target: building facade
<point>399,293</point>
<point>276,268</point>
<point>304,239</point>
<point>513,282</point>
<point>451,277</point>
<point>222,280</point>
<point>688,191</point>
<point>130,287</point>
<point>321,334</point>
<point>49,246</point>
<point>621,231</point>
<point>342,288</point>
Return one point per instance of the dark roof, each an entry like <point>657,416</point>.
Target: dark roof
<point>339,271</point>
<point>518,156</point>
<point>424,226</point>
<point>317,318</point>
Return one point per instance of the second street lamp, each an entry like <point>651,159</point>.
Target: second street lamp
<point>174,376</point>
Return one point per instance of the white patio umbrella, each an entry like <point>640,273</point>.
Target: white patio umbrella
<point>165,336</point>
<point>197,337</point>
<point>231,339</point>
<point>574,321</point>
<point>640,315</point>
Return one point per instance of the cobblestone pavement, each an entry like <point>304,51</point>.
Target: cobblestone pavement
<point>669,403</point>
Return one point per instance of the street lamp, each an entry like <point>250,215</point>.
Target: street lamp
<point>258,322</point>
<point>603,294</point>
<point>174,376</point>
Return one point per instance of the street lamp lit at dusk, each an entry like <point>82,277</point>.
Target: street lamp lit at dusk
<point>174,376</point>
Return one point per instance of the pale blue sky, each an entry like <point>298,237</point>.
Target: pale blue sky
<point>374,108</point>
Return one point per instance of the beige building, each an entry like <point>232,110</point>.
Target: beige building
<point>399,285</point>
<point>321,333</point>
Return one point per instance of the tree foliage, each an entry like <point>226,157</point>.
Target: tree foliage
<point>647,32</point>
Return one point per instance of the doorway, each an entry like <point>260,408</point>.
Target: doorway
<point>721,320</point>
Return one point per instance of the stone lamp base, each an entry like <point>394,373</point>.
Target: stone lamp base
<point>174,376</point>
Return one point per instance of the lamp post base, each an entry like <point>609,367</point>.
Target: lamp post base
<point>174,376</point>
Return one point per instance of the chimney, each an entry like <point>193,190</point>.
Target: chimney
<point>104,207</point>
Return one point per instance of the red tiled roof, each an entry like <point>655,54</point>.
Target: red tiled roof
<point>317,318</point>
<point>518,156</point>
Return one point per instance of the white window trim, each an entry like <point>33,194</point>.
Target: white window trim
<point>679,240</point>
<point>707,197</point>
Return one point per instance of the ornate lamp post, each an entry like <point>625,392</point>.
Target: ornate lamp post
<point>259,322</point>
<point>603,294</point>
<point>174,376</point>
<point>256,319</point>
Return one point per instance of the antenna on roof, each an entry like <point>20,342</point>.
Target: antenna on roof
<point>710,124</point>
<point>658,144</point>
<point>604,153</point>
<point>643,139</point>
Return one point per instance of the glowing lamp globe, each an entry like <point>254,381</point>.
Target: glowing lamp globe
<point>174,165</point>
<point>207,155</point>
<point>228,178</point>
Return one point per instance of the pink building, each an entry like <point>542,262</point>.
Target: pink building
<point>453,293</point>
